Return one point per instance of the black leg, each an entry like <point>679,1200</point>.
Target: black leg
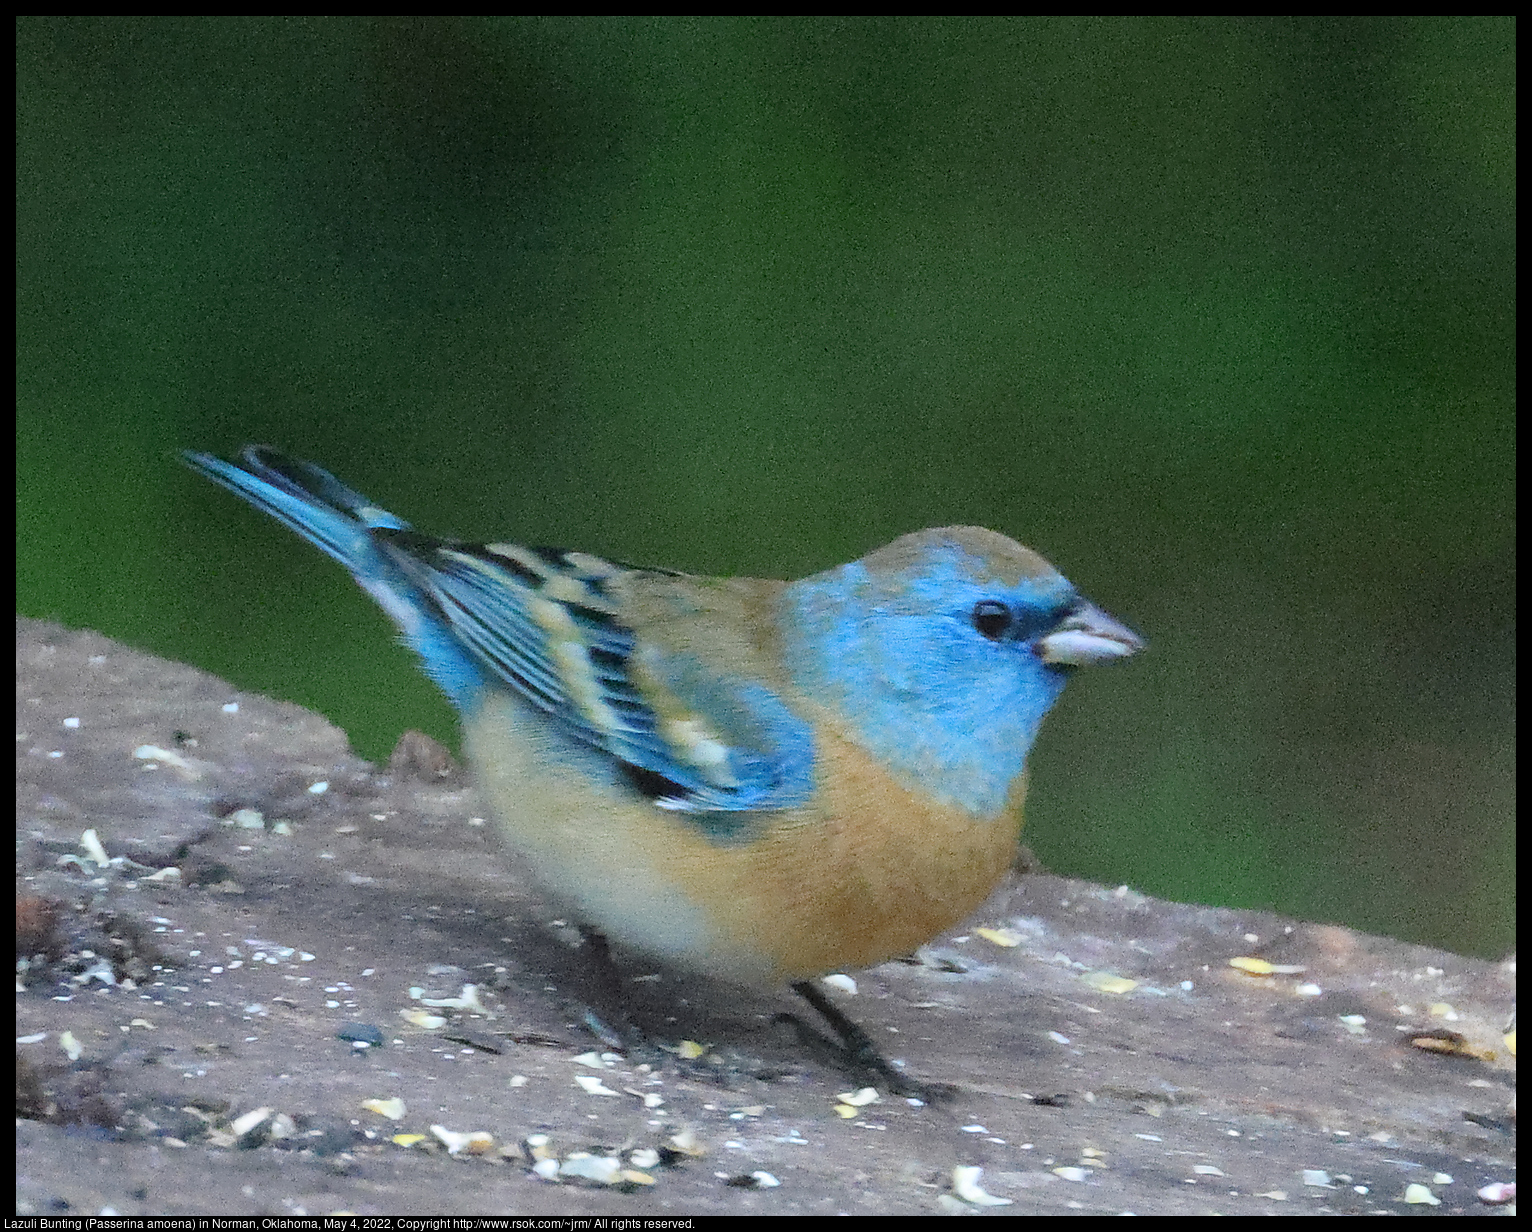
<point>856,1047</point>
<point>852,1047</point>
<point>621,1035</point>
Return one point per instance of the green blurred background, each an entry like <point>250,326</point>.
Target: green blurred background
<point>1216,314</point>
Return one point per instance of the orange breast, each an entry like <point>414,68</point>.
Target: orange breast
<point>869,872</point>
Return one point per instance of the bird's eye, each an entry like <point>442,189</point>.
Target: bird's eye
<point>991,618</point>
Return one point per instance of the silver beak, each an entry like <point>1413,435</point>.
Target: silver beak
<point>1086,636</point>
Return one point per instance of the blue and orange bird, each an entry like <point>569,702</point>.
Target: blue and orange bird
<point>755,780</point>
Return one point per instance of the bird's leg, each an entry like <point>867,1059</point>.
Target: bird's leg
<point>621,1034</point>
<point>852,1047</point>
<point>855,1047</point>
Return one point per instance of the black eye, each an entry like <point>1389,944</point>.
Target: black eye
<point>991,618</point>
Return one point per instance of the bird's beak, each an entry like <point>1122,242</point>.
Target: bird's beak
<point>1088,635</point>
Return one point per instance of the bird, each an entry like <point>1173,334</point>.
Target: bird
<point>758,781</point>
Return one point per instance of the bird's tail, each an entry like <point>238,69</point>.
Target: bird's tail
<point>373,544</point>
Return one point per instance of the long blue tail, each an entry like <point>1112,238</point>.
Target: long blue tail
<point>346,526</point>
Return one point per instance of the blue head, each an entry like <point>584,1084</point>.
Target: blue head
<point>941,654</point>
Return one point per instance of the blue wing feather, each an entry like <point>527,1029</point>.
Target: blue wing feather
<point>544,623</point>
